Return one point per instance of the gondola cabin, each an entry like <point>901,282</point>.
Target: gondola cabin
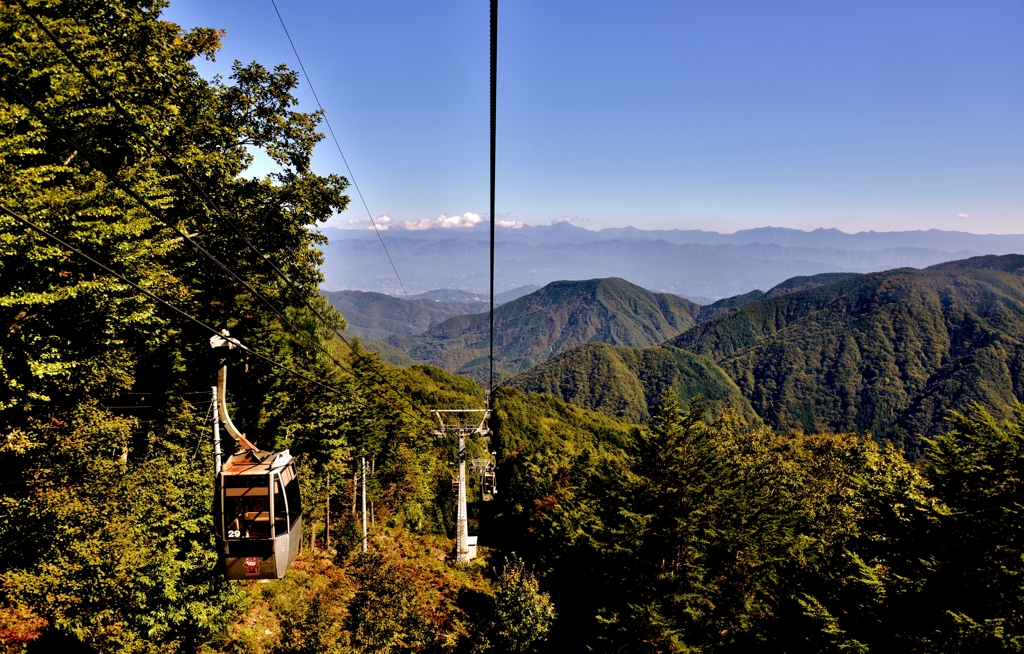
<point>257,510</point>
<point>258,515</point>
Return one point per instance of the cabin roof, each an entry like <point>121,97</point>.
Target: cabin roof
<point>246,463</point>
<point>255,463</point>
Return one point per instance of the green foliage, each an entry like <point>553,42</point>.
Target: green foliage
<point>887,353</point>
<point>627,382</point>
<point>105,516</point>
<point>700,534</point>
<point>532,328</point>
<point>523,614</point>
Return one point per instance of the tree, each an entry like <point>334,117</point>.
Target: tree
<point>523,614</point>
<point>105,526</point>
<point>977,586</point>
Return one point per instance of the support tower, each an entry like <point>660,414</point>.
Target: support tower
<point>462,423</point>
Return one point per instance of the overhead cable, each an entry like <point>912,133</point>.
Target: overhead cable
<point>213,330</point>
<point>338,145</point>
<point>292,284</point>
<point>494,115</point>
<point>135,196</point>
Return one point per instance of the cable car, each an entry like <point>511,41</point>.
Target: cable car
<point>257,507</point>
<point>489,485</point>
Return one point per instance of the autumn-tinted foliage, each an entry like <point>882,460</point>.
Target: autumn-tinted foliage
<point>687,529</point>
<point>695,534</point>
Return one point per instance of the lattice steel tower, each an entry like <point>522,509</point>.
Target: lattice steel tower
<point>462,423</point>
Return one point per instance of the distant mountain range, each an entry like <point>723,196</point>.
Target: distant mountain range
<point>696,264</point>
<point>886,353</point>
<point>378,316</point>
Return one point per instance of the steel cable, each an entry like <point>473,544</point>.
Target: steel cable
<point>202,192</point>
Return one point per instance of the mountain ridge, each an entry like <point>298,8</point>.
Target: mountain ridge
<point>562,314</point>
<point>626,382</point>
<point>883,353</point>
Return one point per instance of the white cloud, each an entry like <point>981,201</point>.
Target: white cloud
<point>966,215</point>
<point>382,223</point>
<point>570,219</point>
<point>466,220</point>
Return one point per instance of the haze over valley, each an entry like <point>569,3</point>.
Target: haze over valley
<point>700,265</point>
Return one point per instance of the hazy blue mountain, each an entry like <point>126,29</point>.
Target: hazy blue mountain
<point>378,316</point>
<point>692,270</point>
<point>932,239</point>
<point>555,318</point>
<point>452,295</point>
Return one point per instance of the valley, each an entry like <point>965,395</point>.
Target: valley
<point>887,354</point>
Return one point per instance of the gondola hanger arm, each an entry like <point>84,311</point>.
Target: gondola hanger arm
<point>224,339</point>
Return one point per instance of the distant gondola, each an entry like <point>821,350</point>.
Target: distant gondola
<point>257,509</point>
<point>490,487</point>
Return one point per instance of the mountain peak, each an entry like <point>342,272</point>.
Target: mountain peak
<point>558,316</point>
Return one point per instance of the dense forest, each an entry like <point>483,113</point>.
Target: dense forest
<point>627,382</point>
<point>886,353</point>
<point>532,328</point>
<point>129,232</point>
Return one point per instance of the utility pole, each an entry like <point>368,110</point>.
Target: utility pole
<point>216,434</point>
<point>364,502</point>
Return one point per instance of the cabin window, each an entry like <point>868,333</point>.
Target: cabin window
<point>247,506</point>
<point>294,500</point>
<point>280,508</point>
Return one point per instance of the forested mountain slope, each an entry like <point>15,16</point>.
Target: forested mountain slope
<point>627,382</point>
<point>888,353</point>
<point>791,285</point>
<point>378,316</point>
<point>560,315</point>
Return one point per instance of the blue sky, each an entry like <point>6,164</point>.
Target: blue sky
<point>691,115</point>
